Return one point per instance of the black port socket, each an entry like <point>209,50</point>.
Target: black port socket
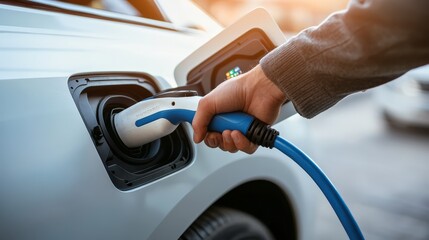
<point>107,108</point>
<point>99,97</point>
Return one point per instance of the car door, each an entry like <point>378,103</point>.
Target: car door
<point>54,185</point>
<point>61,67</point>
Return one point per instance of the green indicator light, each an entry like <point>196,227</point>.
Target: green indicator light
<point>233,72</point>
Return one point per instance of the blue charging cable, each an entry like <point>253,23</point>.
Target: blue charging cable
<point>262,134</point>
<point>325,185</point>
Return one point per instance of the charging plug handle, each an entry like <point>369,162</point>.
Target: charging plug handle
<point>261,133</point>
<point>254,129</point>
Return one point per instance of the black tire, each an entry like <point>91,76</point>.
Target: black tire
<point>219,223</point>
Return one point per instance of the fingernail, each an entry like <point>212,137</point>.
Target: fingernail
<point>196,138</point>
<point>235,137</point>
<point>214,141</point>
<point>210,142</point>
<point>228,139</point>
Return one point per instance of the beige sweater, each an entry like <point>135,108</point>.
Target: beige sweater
<point>371,43</point>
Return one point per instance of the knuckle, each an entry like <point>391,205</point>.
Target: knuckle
<point>242,145</point>
<point>203,103</point>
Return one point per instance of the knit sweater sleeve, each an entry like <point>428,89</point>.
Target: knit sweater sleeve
<point>370,43</point>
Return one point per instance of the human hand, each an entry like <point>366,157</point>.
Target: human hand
<point>252,93</point>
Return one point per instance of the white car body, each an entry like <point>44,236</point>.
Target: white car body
<point>53,184</point>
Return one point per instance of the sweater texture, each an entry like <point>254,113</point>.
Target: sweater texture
<point>368,44</point>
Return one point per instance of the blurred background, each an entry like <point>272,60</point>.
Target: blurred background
<point>291,15</point>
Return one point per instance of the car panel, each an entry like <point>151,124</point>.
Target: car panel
<point>68,165</point>
<point>87,11</point>
<point>80,44</point>
<point>54,184</point>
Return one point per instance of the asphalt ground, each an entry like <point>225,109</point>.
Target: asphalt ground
<point>382,173</point>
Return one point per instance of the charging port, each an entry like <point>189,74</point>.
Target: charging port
<point>107,108</point>
<point>99,97</point>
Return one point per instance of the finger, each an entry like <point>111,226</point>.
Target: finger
<point>226,97</point>
<point>228,143</point>
<point>242,143</point>
<point>213,140</point>
<point>205,111</point>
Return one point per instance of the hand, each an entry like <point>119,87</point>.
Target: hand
<point>252,93</point>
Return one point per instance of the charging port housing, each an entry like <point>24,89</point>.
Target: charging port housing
<point>98,98</point>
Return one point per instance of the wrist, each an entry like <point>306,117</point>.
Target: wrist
<point>263,82</point>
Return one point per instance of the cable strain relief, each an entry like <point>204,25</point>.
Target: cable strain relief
<point>261,133</point>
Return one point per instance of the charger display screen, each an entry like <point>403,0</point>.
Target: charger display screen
<point>233,73</point>
<point>236,58</point>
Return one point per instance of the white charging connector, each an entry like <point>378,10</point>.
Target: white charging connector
<point>132,135</point>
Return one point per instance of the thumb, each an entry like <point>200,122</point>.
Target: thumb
<point>226,97</point>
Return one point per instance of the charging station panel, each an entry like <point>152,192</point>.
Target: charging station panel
<point>238,57</point>
<point>231,52</point>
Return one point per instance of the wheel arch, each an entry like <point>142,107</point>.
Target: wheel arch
<point>266,201</point>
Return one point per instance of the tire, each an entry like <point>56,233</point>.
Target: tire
<point>220,223</point>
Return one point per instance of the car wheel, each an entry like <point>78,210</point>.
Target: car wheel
<point>220,223</point>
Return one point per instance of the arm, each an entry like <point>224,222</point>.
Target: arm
<point>369,44</point>
<point>372,42</point>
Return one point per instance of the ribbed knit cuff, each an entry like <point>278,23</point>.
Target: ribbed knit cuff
<point>287,69</point>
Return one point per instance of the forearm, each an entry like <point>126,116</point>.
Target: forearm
<point>367,45</point>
